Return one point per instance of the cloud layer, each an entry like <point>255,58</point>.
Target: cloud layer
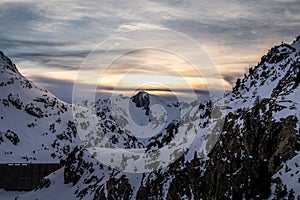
<point>49,37</point>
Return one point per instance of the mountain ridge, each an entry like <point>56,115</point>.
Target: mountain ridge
<point>28,112</point>
<point>255,156</point>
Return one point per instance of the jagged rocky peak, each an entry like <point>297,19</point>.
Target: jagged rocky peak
<point>276,71</point>
<point>6,63</point>
<point>32,115</point>
<point>280,52</point>
<point>277,54</point>
<point>141,99</point>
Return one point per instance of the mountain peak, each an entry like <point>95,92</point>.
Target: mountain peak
<point>141,94</point>
<point>275,75</point>
<point>6,63</point>
<point>141,100</point>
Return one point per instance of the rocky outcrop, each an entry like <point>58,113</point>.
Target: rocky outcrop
<point>243,161</point>
<point>142,100</point>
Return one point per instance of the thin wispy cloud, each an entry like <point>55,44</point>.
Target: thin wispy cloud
<point>47,36</point>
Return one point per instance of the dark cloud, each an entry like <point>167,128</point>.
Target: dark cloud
<point>42,52</point>
<point>81,54</point>
<point>183,90</point>
<point>62,60</point>
<point>17,43</point>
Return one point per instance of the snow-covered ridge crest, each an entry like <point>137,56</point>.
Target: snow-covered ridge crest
<point>35,127</point>
<point>6,63</point>
<point>270,78</point>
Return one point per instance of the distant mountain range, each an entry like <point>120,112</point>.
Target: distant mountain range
<point>253,155</point>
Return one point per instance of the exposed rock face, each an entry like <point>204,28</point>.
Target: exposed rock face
<point>6,63</point>
<point>258,139</point>
<point>246,157</point>
<point>142,100</point>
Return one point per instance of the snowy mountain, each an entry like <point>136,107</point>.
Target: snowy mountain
<point>255,155</point>
<point>129,128</point>
<point>142,100</point>
<point>35,126</point>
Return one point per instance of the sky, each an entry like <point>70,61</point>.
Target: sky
<point>122,46</point>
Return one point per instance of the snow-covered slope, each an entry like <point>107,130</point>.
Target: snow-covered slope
<point>260,139</point>
<point>35,127</point>
<point>133,128</point>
